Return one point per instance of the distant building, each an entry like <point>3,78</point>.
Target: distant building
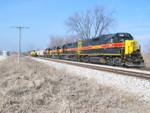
<point>6,52</point>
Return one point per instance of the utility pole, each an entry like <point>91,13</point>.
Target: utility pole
<point>19,40</point>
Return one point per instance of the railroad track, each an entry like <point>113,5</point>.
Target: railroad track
<point>107,69</point>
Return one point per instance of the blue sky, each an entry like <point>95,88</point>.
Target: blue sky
<point>46,17</point>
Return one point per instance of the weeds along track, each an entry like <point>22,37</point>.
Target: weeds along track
<point>35,87</point>
<point>142,74</point>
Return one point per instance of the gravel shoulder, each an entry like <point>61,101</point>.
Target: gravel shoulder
<point>34,87</point>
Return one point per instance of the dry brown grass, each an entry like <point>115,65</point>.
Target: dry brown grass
<point>147,60</point>
<point>33,87</point>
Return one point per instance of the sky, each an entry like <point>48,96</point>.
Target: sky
<point>47,17</point>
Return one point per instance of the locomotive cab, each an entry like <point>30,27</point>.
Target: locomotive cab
<point>121,37</point>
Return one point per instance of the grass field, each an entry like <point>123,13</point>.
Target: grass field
<point>33,87</point>
<point>147,60</point>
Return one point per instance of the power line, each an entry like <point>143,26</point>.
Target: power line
<point>19,40</point>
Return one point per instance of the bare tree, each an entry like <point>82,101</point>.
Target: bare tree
<point>56,40</point>
<point>70,39</point>
<point>90,23</point>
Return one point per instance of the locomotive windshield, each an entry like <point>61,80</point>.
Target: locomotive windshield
<point>122,37</point>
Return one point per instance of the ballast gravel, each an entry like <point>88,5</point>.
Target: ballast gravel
<point>140,87</point>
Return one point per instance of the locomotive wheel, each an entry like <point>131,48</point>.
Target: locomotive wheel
<point>87,59</point>
<point>116,61</point>
<point>110,61</point>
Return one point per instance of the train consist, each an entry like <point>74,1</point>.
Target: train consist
<point>113,49</point>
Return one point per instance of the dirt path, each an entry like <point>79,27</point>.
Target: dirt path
<point>33,87</point>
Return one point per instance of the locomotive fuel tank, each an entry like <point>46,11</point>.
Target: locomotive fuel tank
<point>98,59</point>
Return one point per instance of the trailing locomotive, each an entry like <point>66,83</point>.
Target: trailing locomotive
<point>33,53</point>
<point>112,49</point>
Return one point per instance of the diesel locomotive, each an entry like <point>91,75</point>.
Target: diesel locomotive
<point>113,49</point>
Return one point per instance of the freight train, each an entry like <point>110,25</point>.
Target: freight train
<point>118,49</point>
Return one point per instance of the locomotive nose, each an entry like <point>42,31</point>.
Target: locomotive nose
<point>130,46</point>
